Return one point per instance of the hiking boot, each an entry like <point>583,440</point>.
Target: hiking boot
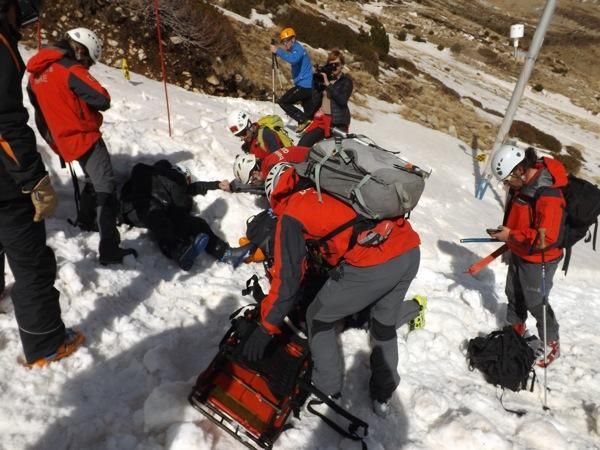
<point>189,253</point>
<point>116,257</point>
<point>552,352</point>
<point>236,255</point>
<point>419,322</point>
<point>302,126</point>
<point>520,328</point>
<point>382,409</point>
<point>73,340</point>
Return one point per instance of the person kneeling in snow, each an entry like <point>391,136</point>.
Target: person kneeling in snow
<point>159,198</point>
<point>376,275</point>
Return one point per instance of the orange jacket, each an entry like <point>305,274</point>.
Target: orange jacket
<point>539,204</point>
<point>302,217</point>
<point>67,101</point>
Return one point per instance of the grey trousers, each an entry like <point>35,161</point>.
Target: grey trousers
<point>383,286</point>
<point>98,169</point>
<point>524,293</point>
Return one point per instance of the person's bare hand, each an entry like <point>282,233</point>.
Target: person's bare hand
<point>225,186</point>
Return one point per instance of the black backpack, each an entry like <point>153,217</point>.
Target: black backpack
<point>503,357</point>
<point>581,212</point>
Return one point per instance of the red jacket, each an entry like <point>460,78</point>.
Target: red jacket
<point>539,204</point>
<point>293,154</point>
<point>302,217</point>
<point>67,101</point>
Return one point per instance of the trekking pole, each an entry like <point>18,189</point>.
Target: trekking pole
<point>542,232</point>
<point>477,240</point>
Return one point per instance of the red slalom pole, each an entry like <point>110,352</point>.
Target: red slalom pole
<point>162,62</point>
<point>39,34</point>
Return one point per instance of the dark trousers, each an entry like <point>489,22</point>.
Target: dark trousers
<point>297,95</point>
<point>33,265</point>
<point>174,230</point>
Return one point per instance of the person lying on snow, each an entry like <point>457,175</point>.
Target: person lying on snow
<point>159,197</point>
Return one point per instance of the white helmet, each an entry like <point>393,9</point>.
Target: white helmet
<point>505,159</point>
<point>238,121</point>
<point>273,177</point>
<point>89,40</point>
<point>243,166</point>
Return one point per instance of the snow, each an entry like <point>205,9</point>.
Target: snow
<point>151,328</point>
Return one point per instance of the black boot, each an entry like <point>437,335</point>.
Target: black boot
<point>109,250</point>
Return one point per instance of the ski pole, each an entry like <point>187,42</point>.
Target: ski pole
<point>273,64</point>
<point>476,240</point>
<point>485,261</point>
<point>542,232</point>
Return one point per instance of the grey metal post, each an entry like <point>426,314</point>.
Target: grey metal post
<point>532,54</point>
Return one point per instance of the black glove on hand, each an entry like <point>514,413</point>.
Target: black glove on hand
<point>256,344</point>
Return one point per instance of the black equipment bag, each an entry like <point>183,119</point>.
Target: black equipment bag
<point>503,357</point>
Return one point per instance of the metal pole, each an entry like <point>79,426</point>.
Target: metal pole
<point>534,51</point>
<point>542,232</point>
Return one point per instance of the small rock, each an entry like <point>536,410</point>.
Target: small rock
<point>452,131</point>
<point>112,42</point>
<point>176,40</point>
<point>142,54</point>
<point>212,79</point>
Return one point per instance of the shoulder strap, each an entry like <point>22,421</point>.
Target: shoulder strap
<point>355,424</point>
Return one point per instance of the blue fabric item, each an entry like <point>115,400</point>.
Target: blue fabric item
<point>187,258</point>
<point>302,72</point>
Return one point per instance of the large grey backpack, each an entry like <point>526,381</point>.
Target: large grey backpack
<point>379,184</point>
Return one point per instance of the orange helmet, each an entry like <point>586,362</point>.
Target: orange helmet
<point>287,33</point>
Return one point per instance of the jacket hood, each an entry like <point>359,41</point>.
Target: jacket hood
<point>282,191</point>
<point>551,173</point>
<point>43,59</point>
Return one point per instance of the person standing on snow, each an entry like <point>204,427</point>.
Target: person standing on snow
<point>67,102</point>
<point>366,275</point>
<point>535,202</point>
<point>302,75</point>
<point>258,140</point>
<point>334,91</point>
<point>26,199</point>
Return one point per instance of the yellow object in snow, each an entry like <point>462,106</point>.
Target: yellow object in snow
<point>481,157</point>
<point>125,68</point>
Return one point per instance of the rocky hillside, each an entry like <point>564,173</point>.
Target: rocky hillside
<point>221,47</point>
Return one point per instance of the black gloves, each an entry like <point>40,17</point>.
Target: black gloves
<point>256,344</point>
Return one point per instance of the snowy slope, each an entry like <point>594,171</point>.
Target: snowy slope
<point>151,328</point>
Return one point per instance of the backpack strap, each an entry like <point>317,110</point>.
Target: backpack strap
<point>355,423</point>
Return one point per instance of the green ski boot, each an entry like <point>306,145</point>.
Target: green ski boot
<point>418,322</point>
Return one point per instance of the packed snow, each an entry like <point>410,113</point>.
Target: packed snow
<point>151,328</point>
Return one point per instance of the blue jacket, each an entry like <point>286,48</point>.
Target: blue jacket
<point>302,72</point>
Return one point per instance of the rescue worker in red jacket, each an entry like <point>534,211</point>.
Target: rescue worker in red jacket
<point>378,276</point>
<point>258,140</point>
<point>535,203</point>
<point>67,102</point>
<point>26,199</point>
